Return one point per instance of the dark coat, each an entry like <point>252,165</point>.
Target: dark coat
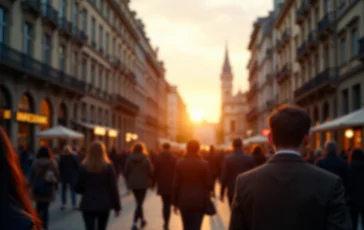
<point>234,164</point>
<point>336,165</point>
<point>115,159</point>
<point>164,169</point>
<point>99,190</point>
<point>259,159</point>
<point>192,184</point>
<point>68,167</point>
<point>138,172</point>
<point>288,193</point>
<point>356,184</point>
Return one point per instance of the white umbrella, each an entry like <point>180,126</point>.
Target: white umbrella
<point>60,132</point>
<point>258,139</point>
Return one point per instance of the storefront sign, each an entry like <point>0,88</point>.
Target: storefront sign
<point>113,133</point>
<point>5,114</point>
<point>99,131</point>
<point>31,118</point>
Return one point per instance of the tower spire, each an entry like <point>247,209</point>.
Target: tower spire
<point>226,69</point>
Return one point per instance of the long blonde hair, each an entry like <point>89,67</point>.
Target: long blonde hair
<point>139,147</point>
<point>96,158</point>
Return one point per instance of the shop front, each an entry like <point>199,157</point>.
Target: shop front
<point>5,110</point>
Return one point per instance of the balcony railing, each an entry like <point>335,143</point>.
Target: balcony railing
<point>124,104</point>
<point>253,112</point>
<point>32,5</point>
<point>301,51</point>
<point>325,77</point>
<point>65,26</point>
<point>78,35</point>
<point>361,49</point>
<point>325,24</point>
<point>252,91</point>
<point>302,11</point>
<point>152,121</point>
<point>41,71</point>
<point>49,14</point>
<point>253,69</point>
<point>312,39</point>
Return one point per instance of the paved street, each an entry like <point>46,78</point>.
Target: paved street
<point>72,220</point>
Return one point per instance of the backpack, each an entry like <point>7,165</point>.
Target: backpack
<point>43,187</point>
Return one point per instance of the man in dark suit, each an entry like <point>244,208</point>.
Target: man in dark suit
<point>287,192</point>
<point>234,164</point>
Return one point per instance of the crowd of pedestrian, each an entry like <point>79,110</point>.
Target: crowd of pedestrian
<point>290,188</point>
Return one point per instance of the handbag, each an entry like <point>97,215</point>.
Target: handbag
<point>209,206</point>
<point>43,187</point>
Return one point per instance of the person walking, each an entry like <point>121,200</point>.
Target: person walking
<point>163,174</point>
<point>139,177</point>
<point>332,162</point>
<point>234,164</point>
<point>44,178</point>
<point>356,187</point>
<point>257,154</point>
<point>68,168</point>
<point>98,186</point>
<point>115,159</point>
<point>16,210</point>
<point>192,185</point>
<point>298,195</point>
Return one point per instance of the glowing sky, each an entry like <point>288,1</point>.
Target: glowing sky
<point>191,37</point>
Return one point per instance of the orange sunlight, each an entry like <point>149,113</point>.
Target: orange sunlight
<point>197,116</point>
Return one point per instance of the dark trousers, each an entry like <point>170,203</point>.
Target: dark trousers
<point>90,219</point>
<point>43,212</point>
<point>166,200</point>
<point>71,185</point>
<point>139,195</point>
<point>191,220</point>
<point>355,212</point>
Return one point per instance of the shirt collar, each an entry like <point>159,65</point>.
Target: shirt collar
<point>287,151</point>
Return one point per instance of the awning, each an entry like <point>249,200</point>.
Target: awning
<point>258,139</point>
<point>100,130</point>
<point>60,132</point>
<point>348,121</point>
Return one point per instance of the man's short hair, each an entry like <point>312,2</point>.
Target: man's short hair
<point>166,146</point>
<point>193,147</point>
<point>289,125</point>
<point>237,143</point>
<point>331,148</point>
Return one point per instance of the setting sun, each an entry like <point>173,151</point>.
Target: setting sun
<point>197,116</point>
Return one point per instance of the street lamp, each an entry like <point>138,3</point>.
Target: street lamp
<point>349,133</point>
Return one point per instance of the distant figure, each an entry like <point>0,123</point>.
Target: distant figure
<point>234,164</point>
<point>164,173</point>
<point>356,187</point>
<point>287,193</point>
<point>44,178</point>
<point>139,177</point>
<point>115,160</point>
<point>257,154</point>
<point>16,210</point>
<point>98,186</point>
<point>212,158</point>
<point>318,155</point>
<point>68,168</point>
<point>192,186</point>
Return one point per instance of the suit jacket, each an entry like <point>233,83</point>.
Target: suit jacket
<point>234,164</point>
<point>288,193</point>
<point>164,169</point>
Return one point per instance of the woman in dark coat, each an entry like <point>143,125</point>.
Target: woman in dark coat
<point>98,186</point>
<point>258,155</point>
<point>16,211</point>
<point>356,187</point>
<point>139,177</point>
<point>193,183</point>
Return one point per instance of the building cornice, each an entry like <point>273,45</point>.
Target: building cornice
<point>283,12</point>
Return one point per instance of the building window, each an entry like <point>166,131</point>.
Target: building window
<point>101,7</point>
<point>84,20</point>
<point>345,101</point>
<point>92,74</point>
<point>101,31</point>
<point>106,81</point>
<point>343,50</point>
<point>327,56</point>
<point>83,111</point>
<point>62,56</point>
<point>84,69</point>
<point>356,97</point>
<point>47,49</point>
<point>108,14</point>
<point>327,6</point>
<point>75,15</point>
<point>28,39</point>
<point>100,116</point>
<point>3,26</point>
<point>62,9</point>
<point>74,63</point>
<point>100,78</point>
<point>113,46</point>
<point>354,43</point>
<point>93,30</point>
<point>317,64</point>
<point>107,43</point>
<point>232,126</point>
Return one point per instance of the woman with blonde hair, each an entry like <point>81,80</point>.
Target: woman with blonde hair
<point>139,177</point>
<point>98,186</point>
